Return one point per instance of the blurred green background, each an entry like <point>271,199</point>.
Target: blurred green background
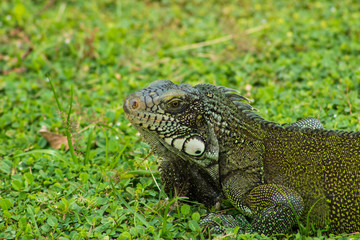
<point>295,59</point>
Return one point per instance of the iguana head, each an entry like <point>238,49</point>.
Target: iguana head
<point>170,118</point>
<point>182,121</point>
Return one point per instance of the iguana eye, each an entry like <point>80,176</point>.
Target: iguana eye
<point>175,106</point>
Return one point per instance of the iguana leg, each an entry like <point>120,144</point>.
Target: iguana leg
<point>272,208</point>
<point>219,223</point>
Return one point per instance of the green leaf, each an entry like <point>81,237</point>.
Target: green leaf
<point>194,226</point>
<point>5,166</point>
<point>23,222</point>
<point>125,236</point>
<point>20,11</point>
<point>7,214</point>
<point>30,210</point>
<point>52,221</point>
<point>84,177</point>
<point>17,185</point>
<point>185,209</point>
<point>29,178</point>
<point>5,204</point>
<point>195,216</point>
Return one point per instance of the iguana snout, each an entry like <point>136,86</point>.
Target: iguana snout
<point>133,103</point>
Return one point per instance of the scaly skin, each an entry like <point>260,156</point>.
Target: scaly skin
<point>213,145</point>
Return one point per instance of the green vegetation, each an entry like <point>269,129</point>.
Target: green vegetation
<point>294,58</point>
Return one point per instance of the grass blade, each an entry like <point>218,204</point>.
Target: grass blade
<point>51,152</point>
<point>106,147</point>
<point>88,145</point>
<point>67,121</point>
<point>123,202</point>
<point>68,127</point>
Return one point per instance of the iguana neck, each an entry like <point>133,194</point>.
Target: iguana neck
<point>239,134</point>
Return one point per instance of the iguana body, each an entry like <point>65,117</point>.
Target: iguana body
<point>213,146</point>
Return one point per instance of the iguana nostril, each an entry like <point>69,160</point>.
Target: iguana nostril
<point>134,103</point>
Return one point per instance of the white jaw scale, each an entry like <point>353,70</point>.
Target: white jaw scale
<point>193,146</point>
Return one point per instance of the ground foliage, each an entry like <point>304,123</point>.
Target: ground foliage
<point>294,58</point>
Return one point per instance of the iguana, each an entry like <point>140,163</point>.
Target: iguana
<point>214,145</point>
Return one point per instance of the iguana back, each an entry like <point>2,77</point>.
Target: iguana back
<point>323,167</point>
<point>213,145</point>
